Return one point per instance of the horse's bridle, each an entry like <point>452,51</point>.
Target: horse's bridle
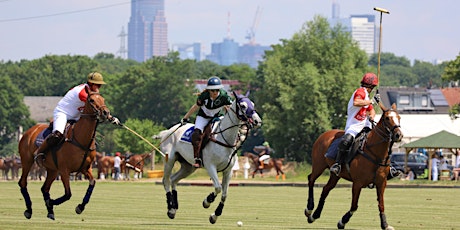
<point>99,113</point>
<point>246,122</point>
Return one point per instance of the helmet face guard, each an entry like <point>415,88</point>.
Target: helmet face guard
<point>214,83</point>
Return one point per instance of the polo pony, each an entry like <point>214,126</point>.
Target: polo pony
<point>370,166</point>
<point>218,154</point>
<point>75,154</point>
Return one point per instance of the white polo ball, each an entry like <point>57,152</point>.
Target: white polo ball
<point>239,223</point>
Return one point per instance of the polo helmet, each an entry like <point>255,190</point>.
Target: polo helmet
<point>214,83</point>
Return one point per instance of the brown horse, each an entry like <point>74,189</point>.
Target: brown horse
<point>105,166</point>
<point>277,164</point>
<point>76,154</point>
<point>370,166</point>
<point>136,162</point>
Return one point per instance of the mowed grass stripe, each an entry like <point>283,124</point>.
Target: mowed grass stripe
<point>142,205</point>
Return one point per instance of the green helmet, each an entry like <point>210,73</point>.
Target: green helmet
<point>95,78</point>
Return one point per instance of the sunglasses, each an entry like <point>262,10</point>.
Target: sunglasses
<point>214,90</point>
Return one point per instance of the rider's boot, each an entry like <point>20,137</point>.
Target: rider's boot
<point>52,140</point>
<point>197,136</point>
<point>344,148</point>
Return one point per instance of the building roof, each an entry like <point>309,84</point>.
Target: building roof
<point>442,139</point>
<point>41,108</point>
<point>414,97</point>
<point>452,95</point>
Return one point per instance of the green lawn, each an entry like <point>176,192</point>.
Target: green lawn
<point>141,205</point>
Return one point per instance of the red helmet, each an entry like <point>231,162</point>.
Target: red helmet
<point>117,154</point>
<point>370,79</point>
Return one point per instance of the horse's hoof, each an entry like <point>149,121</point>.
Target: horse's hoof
<point>340,225</point>
<point>206,204</point>
<point>50,216</point>
<point>308,212</point>
<point>79,209</point>
<point>390,228</point>
<point>213,218</point>
<point>28,214</point>
<point>171,213</point>
<point>310,219</point>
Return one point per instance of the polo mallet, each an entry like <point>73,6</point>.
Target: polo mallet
<point>148,142</point>
<point>381,10</point>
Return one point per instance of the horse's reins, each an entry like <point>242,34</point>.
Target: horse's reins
<point>386,135</point>
<point>226,144</point>
<point>73,141</point>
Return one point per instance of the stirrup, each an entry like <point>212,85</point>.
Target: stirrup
<point>198,163</point>
<point>39,158</point>
<point>335,168</point>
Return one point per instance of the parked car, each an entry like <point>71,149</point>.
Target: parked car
<point>416,161</point>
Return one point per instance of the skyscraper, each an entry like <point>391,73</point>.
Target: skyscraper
<point>361,27</point>
<point>147,30</point>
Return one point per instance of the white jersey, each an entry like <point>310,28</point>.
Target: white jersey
<point>69,107</point>
<point>73,103</point>
<point>357,116</point>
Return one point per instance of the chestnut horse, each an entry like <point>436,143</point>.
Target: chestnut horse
<point>277,164</point>
<point>136,163</point>
<point>369,166</point>
<point>76,154</point>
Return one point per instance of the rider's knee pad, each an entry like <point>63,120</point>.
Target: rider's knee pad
<point>346,142</point>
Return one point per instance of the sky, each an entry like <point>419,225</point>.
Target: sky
<point>423,30</point>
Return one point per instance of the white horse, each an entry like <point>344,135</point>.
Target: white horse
<point>218,154</point>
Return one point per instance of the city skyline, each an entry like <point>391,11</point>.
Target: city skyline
<point>417,29</point>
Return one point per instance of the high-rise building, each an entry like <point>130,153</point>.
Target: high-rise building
<point>361,27</point>
<point>147,30</point>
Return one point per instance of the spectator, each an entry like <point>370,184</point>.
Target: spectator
<point>434,167</point>
<point>408,175</point>
<point>116,165</point>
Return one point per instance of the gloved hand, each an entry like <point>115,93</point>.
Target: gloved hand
<point>115,121</point>
<point>184,121</point>
<point>377,97</point>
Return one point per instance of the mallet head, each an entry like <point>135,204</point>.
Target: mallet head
<point>382,10</point>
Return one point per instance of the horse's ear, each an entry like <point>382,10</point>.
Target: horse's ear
<point>247,93</point>
<point>393,106</point>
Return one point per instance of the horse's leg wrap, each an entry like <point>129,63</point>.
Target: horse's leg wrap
<point>26,196</point>
<point>211,197</point>
<point>383,221</point>
<point>169,200</point>
<point>28,211</point>
<point>174,199</point>
<point>219,209</point>
<point>89,191</point>
<point>319,209</point>
<point>345,218</point>
<point>61,199</point>
<point>311,199</point>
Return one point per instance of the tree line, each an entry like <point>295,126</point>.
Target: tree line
<point>301,88</point>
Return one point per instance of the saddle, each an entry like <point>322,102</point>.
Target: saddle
<point>46,132</point>
<point>358,145</point>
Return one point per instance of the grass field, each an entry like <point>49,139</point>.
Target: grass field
<point>142,205</point>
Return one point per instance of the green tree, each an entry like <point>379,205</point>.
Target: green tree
<point>13,111</point>
<point>428,75</point>
<point>160,90</point>
<point>305,85</point>
<point>388,59</point>
<point>452,70</point>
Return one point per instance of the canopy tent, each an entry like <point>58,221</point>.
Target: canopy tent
<point>439,140</point>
